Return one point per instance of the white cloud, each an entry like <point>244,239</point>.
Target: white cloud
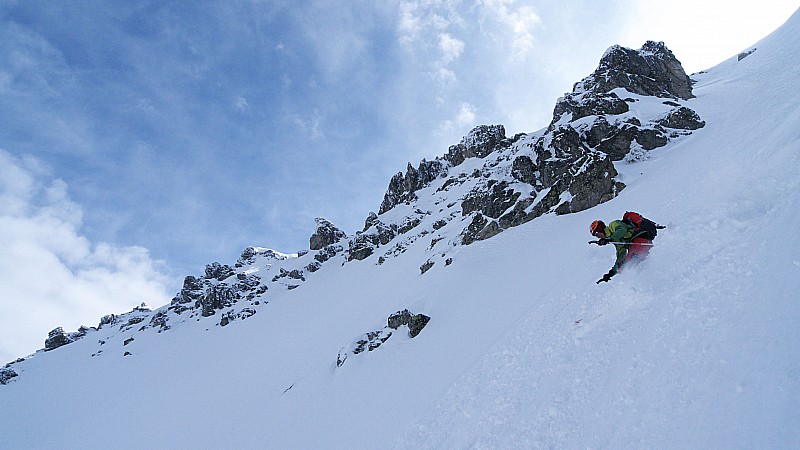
<point>518,21</point>
<point>240,103</point>
<point>451,48</point>
<point>310,125</point>
<point>419,22</point>
<point>466,115</point>
<point>409,23</point>
<point>464,119</point>
<point>52,275</point>
<point>445,76</point>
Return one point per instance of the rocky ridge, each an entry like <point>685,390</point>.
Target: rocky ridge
<point>636,101</point>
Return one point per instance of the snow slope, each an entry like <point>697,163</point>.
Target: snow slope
<point>695,348</point>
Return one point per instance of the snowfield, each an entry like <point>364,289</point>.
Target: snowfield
<point>697,347</point>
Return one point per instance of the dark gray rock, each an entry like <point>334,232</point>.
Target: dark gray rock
<point>372,340</point>
<point>328,252</point>
<point>377,233</point>
<point>595,184</point>
<point>682,118</point>
<point>313,266</point>
<point>478,143</point>
<point>326,234</point>
<point>744,55</point>
<point>402,188</point>
<point>193,292</point>
<point>360,250</point>
<point>57,338</point>
<point>247,257</point>
<point>245,313</point>
<point>109,319</point>
<point>217,297</point>
<point>524,169</point>
<point>618,143</point>
<point>131,322</point>
<point>650,71</point>
<point>651,138</point>
<point>230,316</point>
<point>479,229</point>
<point>579,106</point>
<point>6,374</point>
<point>415,322</point>
<point>519,214</point>
<point>555,161</point>
<point>382,233</point>
<point>159,320</point>
<point>217,271</point>
<point>492,199</point>
<point>366,343</point>
<point>293,274</point>
<point>470,234</point>
<point>616,139</point>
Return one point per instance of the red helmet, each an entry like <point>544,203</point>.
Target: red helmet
<point>597,226</point>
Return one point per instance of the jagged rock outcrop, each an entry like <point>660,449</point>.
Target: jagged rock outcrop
<point>414,322</point>
<point>374,339</point>
<point>650,71</point>
<point>376,233</point>
<point>191,293</point>
<point>159,320</point>
<point>215,290</point>
<point>744,55</point>
<point>492,198</point>
<point>57,338</point>
<point>524,170</point>
<point>295,274</point>
<point>569,166</point>
<point>109,319</point>
<point>237,291</point>
<point>250,256</point>
<point>230,316</point>
<point>478,143</point>
<point>579,106</point>
<point>403,187</point>
<point>326,234</point>
<point>6,374</point>
<point>216,297</point>
<point>218,271</point>
<point>324,255</point>
<point>560,173</point>
<point>682,118</point>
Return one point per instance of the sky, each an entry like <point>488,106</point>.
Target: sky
<point>140,141</point>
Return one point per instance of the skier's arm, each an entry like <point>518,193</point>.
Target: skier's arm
<point>607,276</point>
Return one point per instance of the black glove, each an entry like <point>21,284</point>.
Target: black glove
<point>607,277</point>
<point>603,241</point>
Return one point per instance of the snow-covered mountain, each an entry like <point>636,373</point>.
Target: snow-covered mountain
<point>465,313</point>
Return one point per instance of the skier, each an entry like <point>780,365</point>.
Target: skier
<point>631,241</point>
